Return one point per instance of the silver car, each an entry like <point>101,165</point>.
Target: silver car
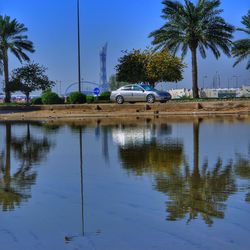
<point>138,92</point>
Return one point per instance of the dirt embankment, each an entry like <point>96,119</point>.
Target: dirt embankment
<point>84,111</point>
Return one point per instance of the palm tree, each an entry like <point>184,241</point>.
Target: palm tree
<point>193,27</point>
<point>241,49</point>
<point>13,39</point>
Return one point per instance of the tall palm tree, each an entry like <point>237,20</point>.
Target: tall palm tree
<point>193,27</point>
<point>241,49</point>
<point>13,39</point>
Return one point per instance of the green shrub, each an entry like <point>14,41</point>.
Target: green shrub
<point>77,98</point>
<point>104,96</point>
<point>37,101</point>
<point>51,98</point>
<point>90,98</point>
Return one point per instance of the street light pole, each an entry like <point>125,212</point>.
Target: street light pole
<point>204,77</point>
<point>236,80</point>
<point>79,49</point>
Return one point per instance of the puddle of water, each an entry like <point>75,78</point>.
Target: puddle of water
<point>125,185</point>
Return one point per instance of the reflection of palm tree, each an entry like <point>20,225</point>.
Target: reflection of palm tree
<point>195,192</point>
<point>28,149</point>
<point>9,197</point>
<point>242,169</point>
<point>198,192</point>
<point>15,188</point>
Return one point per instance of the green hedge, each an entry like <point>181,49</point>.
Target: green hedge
<point>90,98</point>
<point>37,101</point>
<point>77,98</point>
<point>51,98</point>
<point>104,96</point>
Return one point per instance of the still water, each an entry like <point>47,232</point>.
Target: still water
<point>142,184</point>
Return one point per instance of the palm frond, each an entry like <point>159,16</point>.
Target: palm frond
<point>241,48</point>
<point>199,26</point>
<point>12,37</point>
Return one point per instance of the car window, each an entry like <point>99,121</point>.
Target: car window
<point>127,88</point>
<point>137,88</point>
<point>147,87</point>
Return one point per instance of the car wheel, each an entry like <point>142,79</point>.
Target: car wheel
<point>150,99</point>
<point>119,99</point>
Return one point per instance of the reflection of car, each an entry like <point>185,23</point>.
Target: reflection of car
<point>139,92</point>
<point>127,136</point>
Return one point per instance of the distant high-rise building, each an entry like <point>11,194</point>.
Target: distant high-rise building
<point>103,70</point>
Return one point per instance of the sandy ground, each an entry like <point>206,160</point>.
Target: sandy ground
<point>125,111</point>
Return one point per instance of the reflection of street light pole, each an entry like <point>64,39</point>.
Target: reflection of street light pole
<point>69,238</point>
<point>78,45</point>
<point>81,170</point>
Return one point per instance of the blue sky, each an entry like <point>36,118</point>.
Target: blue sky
<point>124,24</point>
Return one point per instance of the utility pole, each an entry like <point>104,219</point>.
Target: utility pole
<point>236,80</point>
<point>79,49</point>
<point>60,87</point>
<point>203,82</point>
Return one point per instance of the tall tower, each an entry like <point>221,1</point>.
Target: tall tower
<point>103,71</point>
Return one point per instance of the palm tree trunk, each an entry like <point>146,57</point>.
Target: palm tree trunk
<point>6,75</point>
<point>194,73</point>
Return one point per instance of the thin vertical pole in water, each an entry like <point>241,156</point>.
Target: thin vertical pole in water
<point>81,170</point>
<point>79,49</point>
